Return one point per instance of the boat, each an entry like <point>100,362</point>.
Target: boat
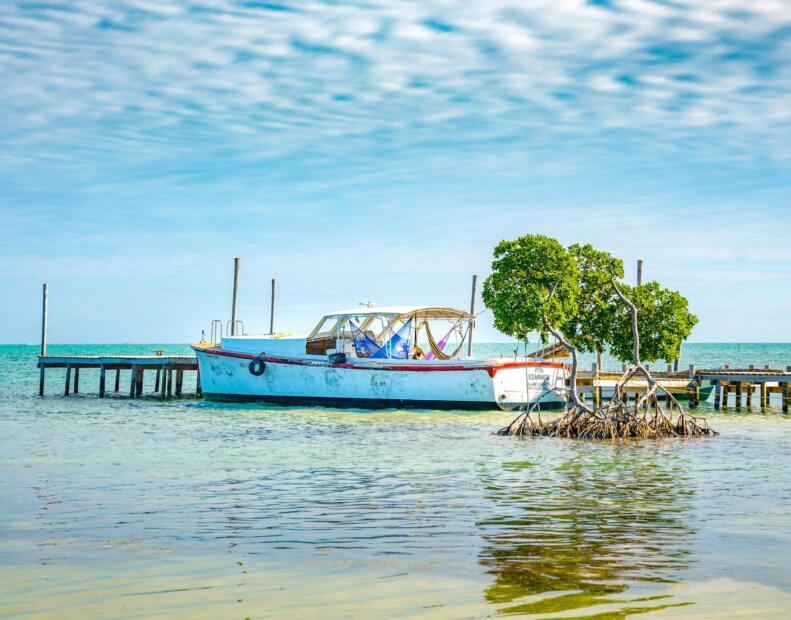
<point>369,357</point>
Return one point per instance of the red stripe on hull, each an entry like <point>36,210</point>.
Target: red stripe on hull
<point>491,369</point>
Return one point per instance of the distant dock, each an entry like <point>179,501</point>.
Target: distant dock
<point>168,381</point>
<point>742,383</point>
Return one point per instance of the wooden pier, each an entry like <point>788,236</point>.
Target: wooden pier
<point>168,381</point>
<point>743,383</point>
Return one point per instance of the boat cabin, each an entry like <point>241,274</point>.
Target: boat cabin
<point>393,333</point>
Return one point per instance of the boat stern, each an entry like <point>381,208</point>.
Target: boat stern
<point>519,384</point>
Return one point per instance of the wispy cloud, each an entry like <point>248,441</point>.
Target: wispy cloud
<point>155,79</point>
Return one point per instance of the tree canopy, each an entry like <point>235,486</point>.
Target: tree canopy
<point>590,328</point>
<point>583,307</point>
<point>663,320</point>
<point>533,283</point>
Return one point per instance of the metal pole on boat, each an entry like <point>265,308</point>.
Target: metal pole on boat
<point>272,309</point>
<point>472,312</point>
<point>235,295</point>
<point>639,272</point>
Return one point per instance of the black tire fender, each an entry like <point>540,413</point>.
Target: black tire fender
<point>257,367</point>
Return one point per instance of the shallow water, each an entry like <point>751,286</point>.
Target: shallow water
<point>130,509</point>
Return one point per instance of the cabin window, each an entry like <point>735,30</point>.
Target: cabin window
<point>327,328</point>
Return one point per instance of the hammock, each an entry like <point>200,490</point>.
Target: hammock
<point>398,346</point>
<point>436,349</point>
<point>364,345</point>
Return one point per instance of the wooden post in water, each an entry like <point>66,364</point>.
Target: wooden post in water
<point>163,386</point>
<point>639,272</point>
<point>139,382</point>
<point>102,378</point>
<point>738,394</point>
<point>235,295</point>
<point>717,394</point>
<point>133,381</point>
<point>156,380</point>
<point>170,381</point>
<point>179,381</point>
<point>198,389</point>
<point>272,309</point>
<point>693,389</point>
<point>77,380</point>
<point>594,388</point>
<point>68,380</point>
<point>44,310</point>
<point>764,395</point>
<point>472,312</point>
<point>785,393</point>
<point>117,379</point>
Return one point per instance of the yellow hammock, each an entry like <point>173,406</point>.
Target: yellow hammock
<point>438,354</point>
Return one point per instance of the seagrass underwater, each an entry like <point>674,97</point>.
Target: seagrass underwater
<point>132,508</point>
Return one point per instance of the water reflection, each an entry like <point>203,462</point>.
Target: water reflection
<point>604,520</point>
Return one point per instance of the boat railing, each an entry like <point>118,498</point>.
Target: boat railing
<point>234,328</point>
<point>216,331</point>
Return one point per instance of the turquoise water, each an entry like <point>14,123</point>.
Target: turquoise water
<point>131,509</point>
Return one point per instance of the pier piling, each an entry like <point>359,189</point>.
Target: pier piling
<point>68,380</point>
<point>102,378</point>
<point>44,312</point>
<point>133,382</point>
<point>596,386</point>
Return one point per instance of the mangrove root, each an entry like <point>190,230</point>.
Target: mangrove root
<point>618,419</point>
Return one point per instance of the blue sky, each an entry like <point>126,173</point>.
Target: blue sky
<point>379,150</point>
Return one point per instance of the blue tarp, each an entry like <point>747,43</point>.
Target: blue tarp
<point>399,344</point>
<point>364,345</point>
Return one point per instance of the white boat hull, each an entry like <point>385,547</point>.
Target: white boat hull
<point>377,384</point>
